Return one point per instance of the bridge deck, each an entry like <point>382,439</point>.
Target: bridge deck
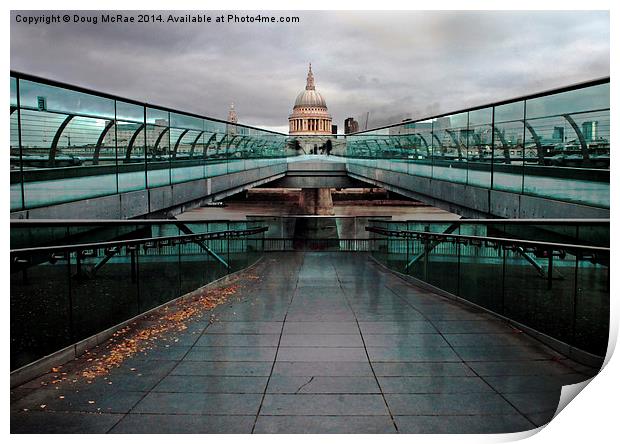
<point>314,342</point>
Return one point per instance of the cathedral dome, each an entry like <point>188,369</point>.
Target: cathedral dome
<point>310,97</point>
<point>310,115</point>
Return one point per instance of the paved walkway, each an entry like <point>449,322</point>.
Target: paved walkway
<point>323,342</point>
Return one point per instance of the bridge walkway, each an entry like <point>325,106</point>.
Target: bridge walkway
<point>311,342</point>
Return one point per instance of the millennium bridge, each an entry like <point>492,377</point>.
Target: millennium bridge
<point>127,317</point>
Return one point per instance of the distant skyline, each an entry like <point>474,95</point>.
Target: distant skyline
<point>393,65</point>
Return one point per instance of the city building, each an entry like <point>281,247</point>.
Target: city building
<point>351,125</point>
<point>310,115</point>
<point>232,118</point>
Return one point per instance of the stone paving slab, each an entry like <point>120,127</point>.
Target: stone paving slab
<point>320,343</point>
<point>324,424</point>
<point>323,385</point>
<point>178,424</point>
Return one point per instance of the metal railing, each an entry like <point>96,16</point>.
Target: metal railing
<point>554,144</point>
<point>64,293</point>
<point>317,245</point>
<point>560,290</point>
<point>571,231</point>
<point>63,135</point>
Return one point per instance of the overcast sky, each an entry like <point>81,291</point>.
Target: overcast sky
<point>390,64</point>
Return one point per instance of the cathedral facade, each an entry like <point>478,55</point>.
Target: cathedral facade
<point>310,115</point>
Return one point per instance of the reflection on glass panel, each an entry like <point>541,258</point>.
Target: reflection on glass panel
<point>13,92</point>
<point>450,136</point>
<point>187,164</point>
<point>574,101</point>
<point>157,117</point>
<point>572,127</point>
<point>16,180</point>
<point>129,112</point>
<point>592,303</point>
<point>39,129</point>
<point>80,139</point>
<point>131,156</point>
<point>158,153</point>
<point>40,97</point>
<point>509,148</point>
<point>186,122</point>
<point>479,147</point>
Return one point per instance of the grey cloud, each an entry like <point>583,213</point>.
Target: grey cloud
<point>389,64</point>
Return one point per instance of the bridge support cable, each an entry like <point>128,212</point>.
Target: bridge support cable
<point>186,230</point>
<point>432,245</point>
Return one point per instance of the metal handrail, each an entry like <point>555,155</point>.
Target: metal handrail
<point>594,82</point>
<point>107,222</point>
<point>499,221</point>
<point>484,240</point>
<point>135,242</point>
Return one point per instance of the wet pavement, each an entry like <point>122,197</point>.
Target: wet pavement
<point>321,343</point>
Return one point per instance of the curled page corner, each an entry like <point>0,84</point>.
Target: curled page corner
<point>568,394</point>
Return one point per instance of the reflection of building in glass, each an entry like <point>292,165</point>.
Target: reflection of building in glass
<point>351,125</point>
<point>589,130</point>
<point>310,116</point>
<point>558,134</point>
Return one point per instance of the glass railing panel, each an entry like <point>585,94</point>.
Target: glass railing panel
<point>185,165</point>
<point>480,147</point>
<point>159,275</point>
<point>196,268</point>
<point>157,148</point>
<point>591,304</point>
<point>41,97</point>
<point>40,308</point>
<point>572,129</point>
<point>441,262</point>
<point>17,202</point>
<point>540,293</point>
<point>573,101</point>
<point>450,148</point>
<point>395,253</point>
<point>130,140</point>
<point>481,275</point>
<point>104,290</point>
<point>509,147</point>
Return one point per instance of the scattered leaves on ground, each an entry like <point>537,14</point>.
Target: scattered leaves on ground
<point>142,336</point>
